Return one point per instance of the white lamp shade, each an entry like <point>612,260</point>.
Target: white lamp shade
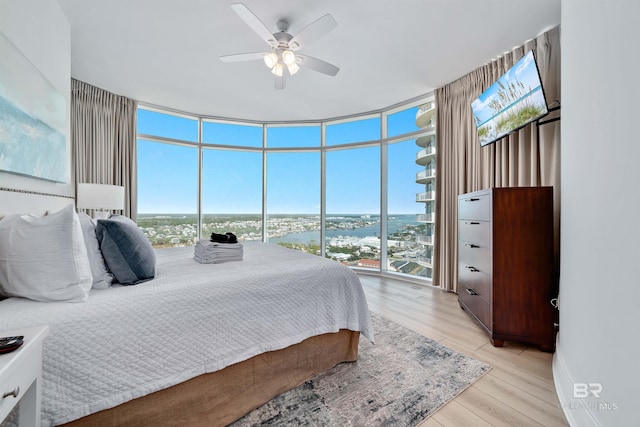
<point>270,60</point>
<point>277,69</point>
<point>288,57</point>
<point>293,68</point>
<point>100,196</point>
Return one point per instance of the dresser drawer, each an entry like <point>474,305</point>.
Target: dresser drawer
<point>476,305</point>
<point>475,256</point>
<point>473,231</point>
<point>476,280</point>
<point>474,207</point>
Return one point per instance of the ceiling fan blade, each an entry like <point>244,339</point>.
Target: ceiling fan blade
<point>242,57</point>
<point>317,65</point>
<point>254,23</point>
<point>313,31</point>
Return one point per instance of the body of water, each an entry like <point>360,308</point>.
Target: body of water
<point>395,223</point>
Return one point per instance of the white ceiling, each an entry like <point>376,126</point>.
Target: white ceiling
<point>165,52</point>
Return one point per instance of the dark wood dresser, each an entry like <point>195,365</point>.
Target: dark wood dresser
<point>505,263</point>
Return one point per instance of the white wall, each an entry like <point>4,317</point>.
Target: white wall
<point>600,221</point>
<point>41,31</point>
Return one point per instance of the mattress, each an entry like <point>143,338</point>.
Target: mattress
<point>129,341</point>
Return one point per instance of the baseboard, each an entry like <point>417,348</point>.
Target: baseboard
<point>577,411</point>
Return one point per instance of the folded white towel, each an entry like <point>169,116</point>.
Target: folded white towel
<point>208,245</point>
<point>207,252</point>
<point>215,260</point>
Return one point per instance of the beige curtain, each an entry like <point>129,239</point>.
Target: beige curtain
<point>529,157</point>
<point>103,137</point>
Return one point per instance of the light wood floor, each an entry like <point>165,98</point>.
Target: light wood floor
<point>518,391</point>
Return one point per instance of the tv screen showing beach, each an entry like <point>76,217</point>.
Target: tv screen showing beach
<point>513,101</point>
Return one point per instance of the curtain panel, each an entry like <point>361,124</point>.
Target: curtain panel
<point>529,157</point>
<point>103,137</point>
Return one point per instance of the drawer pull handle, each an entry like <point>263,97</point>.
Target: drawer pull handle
<point>471,268</point>
<point>472,246</point>
<point>14,393</point>
<point>472,223</point>
<point>471,292</point>
<point>473,199</point>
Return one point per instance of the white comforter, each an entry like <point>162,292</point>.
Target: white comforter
<point>129,341</point>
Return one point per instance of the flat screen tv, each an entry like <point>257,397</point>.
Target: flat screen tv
<point>513,101</point>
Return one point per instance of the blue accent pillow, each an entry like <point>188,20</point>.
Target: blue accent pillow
<point>126,250</point>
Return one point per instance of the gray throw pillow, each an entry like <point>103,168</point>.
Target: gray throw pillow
<point>126,250</point>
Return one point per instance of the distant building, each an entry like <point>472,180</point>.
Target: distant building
<point>426,119</point>
<point>368,263</point>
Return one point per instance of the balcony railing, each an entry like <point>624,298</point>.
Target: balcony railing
<point>426,140</point>
<point>423,156</point>
<point>426,261</point>
<point>426,196</point>
<point>425,240</point>
<point>425,217</point>
<point>423,176</point>
<point>425,114</point>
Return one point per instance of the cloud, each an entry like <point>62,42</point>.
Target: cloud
<point>483,106</point>
<point>488,100</point>
<point>524,65</point>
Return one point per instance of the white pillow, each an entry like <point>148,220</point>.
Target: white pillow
<point>102,279</point>
<point>44,258</point>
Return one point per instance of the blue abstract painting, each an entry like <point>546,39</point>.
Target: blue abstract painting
<point>33,120</point>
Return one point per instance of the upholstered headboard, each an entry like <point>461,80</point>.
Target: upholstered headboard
<point>20,202</point>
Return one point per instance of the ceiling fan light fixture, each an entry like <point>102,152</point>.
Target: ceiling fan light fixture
<point>277,69</point>
<point>288,57</point>
<point>293,68</point>
<point>283,45</point>
<point>270,60</point>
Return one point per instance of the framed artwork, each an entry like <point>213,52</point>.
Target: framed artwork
<point>33,122</point>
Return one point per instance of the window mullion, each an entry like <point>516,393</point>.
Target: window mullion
<point>200,155</point>
<point>383,193</point>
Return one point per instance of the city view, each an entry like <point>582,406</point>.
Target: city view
<point>353,240</point>
<point>289,170</point>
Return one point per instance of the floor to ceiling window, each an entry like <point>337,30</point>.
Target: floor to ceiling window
<point>405,251</point>
<point>345,189</point>
<point>232,193</point>
<point>167,179</point>
<point>353,206</point>
<point>293,200</point>
<point>232,179</point>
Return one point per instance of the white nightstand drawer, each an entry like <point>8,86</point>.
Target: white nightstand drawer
<point>25,373</point>
<point>21,376</point>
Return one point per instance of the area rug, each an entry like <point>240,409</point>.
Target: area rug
<point>399,381</point>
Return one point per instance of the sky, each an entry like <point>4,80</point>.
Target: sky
<point>232,179</point>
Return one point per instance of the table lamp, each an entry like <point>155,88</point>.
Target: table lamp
<point>102,198</point>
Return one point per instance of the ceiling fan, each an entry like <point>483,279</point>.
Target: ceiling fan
<point>284,59</point>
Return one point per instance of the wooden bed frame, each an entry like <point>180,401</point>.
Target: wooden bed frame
<point>218,398</point>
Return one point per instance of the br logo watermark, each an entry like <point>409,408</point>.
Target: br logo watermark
<point>582,390</point>
<point>590,390</point>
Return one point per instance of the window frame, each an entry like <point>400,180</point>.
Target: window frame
<point>383,143</point>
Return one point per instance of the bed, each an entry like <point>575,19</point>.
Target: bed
<point>200,344</point>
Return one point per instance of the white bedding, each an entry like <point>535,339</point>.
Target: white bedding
<point>129,341</point>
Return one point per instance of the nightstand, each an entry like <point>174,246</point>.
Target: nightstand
<point>21,376</point>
